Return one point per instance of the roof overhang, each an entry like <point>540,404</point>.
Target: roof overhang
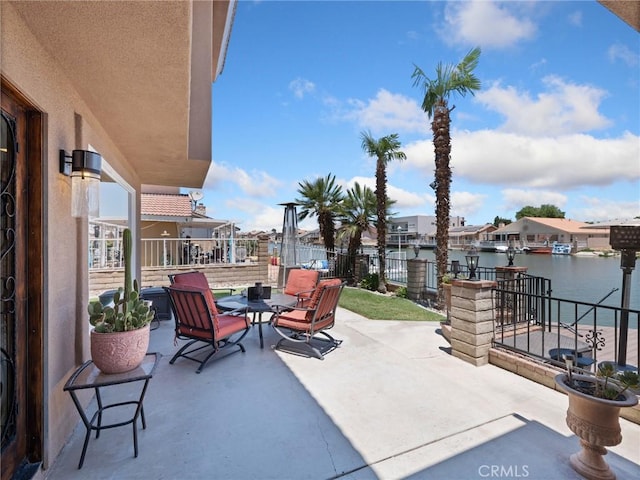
<point>628,11</point>
<point>145,70</point>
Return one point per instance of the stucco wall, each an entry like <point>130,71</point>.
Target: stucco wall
<point>69,124</point>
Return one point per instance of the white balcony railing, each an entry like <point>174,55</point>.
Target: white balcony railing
<point>169,252</point>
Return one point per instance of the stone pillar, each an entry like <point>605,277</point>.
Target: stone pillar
<point>471,320</point>
<point>263,259</point>
<point>509,273</point>
<point>416,278</point>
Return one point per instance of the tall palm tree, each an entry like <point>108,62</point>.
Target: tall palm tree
<point>357,215</point>
<point>385,149</point>
<point>321,198</point>
<point>449,79</point>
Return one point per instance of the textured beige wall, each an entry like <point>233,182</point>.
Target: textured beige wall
<point>24,62</point>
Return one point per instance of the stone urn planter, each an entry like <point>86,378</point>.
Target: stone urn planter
<point>120,334</point>
<point>595,420</point>
<point>119,352</point>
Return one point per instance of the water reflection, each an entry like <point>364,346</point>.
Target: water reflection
<point>585,279</point>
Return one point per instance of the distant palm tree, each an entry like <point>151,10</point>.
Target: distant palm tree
<point>385,150</point>
<point>449,79</point>
<point>357,215</point>
<point>321,198</point>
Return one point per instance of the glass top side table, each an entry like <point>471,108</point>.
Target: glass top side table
<point>89,376</point>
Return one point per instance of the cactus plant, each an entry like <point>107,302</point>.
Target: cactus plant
<point>129,311</point>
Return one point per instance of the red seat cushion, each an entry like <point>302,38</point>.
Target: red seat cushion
<point>230,324</point>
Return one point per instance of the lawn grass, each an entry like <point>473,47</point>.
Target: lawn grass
<point>371,305</point>
<point>384,307</point>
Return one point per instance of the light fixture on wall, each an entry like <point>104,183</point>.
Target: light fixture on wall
<point>84,168</point>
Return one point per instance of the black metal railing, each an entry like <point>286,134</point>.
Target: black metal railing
<point>530,321</point>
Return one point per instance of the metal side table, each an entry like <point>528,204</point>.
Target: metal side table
<point>89,376</point>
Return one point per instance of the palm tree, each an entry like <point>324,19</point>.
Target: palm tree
<point>357,215</point>
<point>449,79</point>
<point>321,198</point>
<point>385,150</point>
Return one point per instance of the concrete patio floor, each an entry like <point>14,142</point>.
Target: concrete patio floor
<point>390,403</point>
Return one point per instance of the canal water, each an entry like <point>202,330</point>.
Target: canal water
<point>573,277</point>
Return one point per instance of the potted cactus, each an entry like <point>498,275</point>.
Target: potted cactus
<point>593,414</point>
<point>120,334</point>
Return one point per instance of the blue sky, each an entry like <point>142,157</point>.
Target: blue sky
<point>557,119</point>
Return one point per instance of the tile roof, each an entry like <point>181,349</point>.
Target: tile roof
<point>166,205</point>
<point>563,224</point>
<point>571,226</point>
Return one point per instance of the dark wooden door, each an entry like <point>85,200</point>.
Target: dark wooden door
<point>20,325</point>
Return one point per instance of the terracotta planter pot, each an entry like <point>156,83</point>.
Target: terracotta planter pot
<point>119,352</point>
<point>596,421</point>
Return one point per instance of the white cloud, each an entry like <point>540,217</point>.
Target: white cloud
<point>301,86</point>
<point>260,216</point>
<point>570,161</point>
<point>596,210</point>
<point>404,199</point>
<point>484,23</point>
<point>514,199</point>
<point>465,204</point>
<point>254,184</point>
<point>575,18</point>
<point>563,108</point>
<point>623,53</point>
<point>386,112</point>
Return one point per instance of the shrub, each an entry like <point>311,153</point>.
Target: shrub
<point>370,282</point>
<point>401,292</point>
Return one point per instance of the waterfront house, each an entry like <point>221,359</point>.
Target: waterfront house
<point>530,231</point>
<point>465,236</point>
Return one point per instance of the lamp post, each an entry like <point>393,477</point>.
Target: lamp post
<point>164,236</point>
<point>511,253</point>
<point>455,268</point>
<point>472,262</point>
<point>399,230</point>
<point>626,239</point>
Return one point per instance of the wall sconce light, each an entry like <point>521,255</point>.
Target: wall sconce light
<point>84,168</point>
<point>472,262</point>
<point>511,254</point>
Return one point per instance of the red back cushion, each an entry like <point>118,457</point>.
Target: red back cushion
<point>300,280</point>
<point>315,297</point>
<point>199,281</point>
<point>191,312</point>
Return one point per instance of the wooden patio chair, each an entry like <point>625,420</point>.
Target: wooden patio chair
<point>301,283</point>
<point>198,321</point>
<point>299,326</point>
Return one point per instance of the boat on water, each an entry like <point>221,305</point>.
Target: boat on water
<point>491,246</point>
<point>561,248</point>
<point>544,249</point>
